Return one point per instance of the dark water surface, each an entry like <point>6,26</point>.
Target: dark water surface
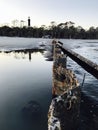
<point>26,82</point>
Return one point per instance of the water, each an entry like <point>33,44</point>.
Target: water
<point>26,80</point>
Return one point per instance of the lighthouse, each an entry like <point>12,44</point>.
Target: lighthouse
<point>29,22</point>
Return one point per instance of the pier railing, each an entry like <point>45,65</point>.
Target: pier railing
<point>88,65</point>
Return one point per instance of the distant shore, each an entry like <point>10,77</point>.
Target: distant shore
<point>54,31</point>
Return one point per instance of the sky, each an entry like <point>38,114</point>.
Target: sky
<point>42,12</point>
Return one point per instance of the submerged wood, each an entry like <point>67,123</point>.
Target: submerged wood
<point>64,109</point>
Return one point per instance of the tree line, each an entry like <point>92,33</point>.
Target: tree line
<point>63,30</point>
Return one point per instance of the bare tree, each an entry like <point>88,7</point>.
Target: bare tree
<point>15,23</point>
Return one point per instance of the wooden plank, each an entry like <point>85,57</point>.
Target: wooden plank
<point>88,65</point>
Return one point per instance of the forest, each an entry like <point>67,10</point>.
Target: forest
<point>65,30</point>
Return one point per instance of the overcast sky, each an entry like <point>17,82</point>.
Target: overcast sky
<point>42,12</point>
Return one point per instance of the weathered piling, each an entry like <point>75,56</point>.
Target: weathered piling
<point>64,109</point>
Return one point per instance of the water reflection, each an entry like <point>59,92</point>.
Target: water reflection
<point>32,111</point>
<point>23,54</point>
<point>25,89</point>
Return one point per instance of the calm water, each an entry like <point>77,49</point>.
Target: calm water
<point>26,81</point>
